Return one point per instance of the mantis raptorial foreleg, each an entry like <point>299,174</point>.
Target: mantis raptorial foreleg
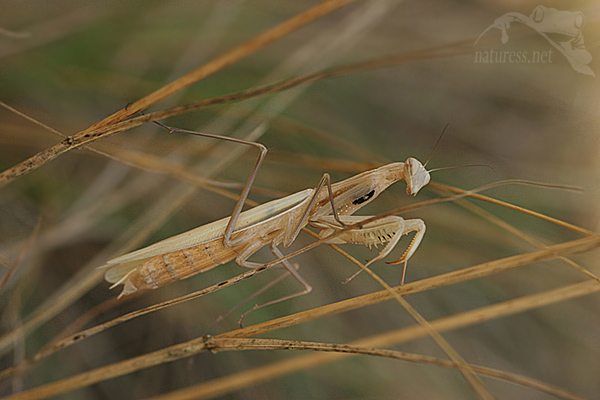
<point>388,229</point>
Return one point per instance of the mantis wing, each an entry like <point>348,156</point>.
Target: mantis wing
<point>123,265</point>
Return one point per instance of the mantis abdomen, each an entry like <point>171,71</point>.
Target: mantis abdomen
<point>159,270</point>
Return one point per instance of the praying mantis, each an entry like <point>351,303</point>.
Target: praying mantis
<point>329,207</point>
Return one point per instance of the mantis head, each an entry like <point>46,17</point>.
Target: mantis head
<point>415,175</point>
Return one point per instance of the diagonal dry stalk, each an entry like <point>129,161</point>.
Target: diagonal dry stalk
<point>497,221</point>
<point>213,389</point>
<point>87,283</point>
<point>253,272</point>
<point>386,61</point>
<point>85,137</point>
<point>407,289</point>
<point>7,339</point>
<point>102,129</point>
<point>234,55</point>
<point>550,252</point>
<point>582,232</point>
<point>423,322</point>
<point>231,383</point>
<point>225,385</point>
<point>82,335</point>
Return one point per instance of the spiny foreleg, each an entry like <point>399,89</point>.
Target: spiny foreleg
<point>388,230</point>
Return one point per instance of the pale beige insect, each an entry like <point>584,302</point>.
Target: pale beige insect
<point>328,207</point>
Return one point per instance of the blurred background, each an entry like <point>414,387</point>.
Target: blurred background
<point>69,64</point>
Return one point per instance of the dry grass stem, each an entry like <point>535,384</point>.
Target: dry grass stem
<point>477,271</point>
<point>230,344</point>
<point>556,221</point>
<point>102,130</point>
<point>523,286</point>
<point>88,135</point>
<point>257,375</point>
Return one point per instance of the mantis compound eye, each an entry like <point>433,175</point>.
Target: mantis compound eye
<point>416,176</point>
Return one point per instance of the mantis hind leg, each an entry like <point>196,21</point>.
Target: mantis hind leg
<point>325,181</point>
<point>291,271</point>
<point>244,195</point>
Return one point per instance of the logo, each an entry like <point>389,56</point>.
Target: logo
<point>562,29</point>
